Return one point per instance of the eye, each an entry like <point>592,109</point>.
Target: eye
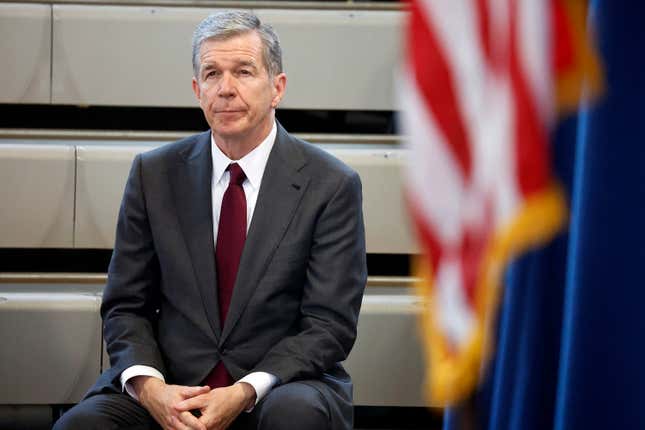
<point>211,74</point>
<point>244,72</point>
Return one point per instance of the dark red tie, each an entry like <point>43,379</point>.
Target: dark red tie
<point>231,235</point>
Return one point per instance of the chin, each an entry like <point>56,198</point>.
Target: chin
<point>228,127</point>
<point>230,132</point>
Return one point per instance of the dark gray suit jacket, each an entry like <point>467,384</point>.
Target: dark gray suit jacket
<point>298,292</point>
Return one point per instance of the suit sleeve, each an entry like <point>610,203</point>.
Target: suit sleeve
<point>130,298</point>
<point>335,280</point>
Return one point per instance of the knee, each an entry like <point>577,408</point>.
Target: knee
<point>80,418</point>
<point>294,405</point>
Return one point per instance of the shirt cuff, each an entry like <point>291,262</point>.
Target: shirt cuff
<point>137,370</point>
<point>262,382</point>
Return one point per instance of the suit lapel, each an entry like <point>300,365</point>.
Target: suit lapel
<point>193,194</point>
<point>282,188</point>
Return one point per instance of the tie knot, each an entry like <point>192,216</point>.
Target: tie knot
<point>237,174</point>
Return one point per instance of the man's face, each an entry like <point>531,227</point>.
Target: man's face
<point>234,88</point>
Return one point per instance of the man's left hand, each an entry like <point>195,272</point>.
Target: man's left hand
<point>220,406</point>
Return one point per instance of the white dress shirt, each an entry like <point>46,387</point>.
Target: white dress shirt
<point>252,164</point>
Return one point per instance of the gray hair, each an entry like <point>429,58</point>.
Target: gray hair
<point>226,24</point>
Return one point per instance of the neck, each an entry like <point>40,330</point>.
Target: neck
<point>236,147</point>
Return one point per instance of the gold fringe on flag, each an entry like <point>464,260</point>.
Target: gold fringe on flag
<point>453,375</point>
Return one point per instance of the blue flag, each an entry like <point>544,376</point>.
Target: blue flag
<point>571,329</point>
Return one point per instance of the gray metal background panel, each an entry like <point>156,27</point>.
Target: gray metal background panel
<point>387,224</point>
<point>25,49</point>
<point>51,343</point>
<point>128,56</point>
<point>102,171</point>
<point>101,175</point>
<point>339,59</point>
<point>386,363</point>
<point>141,56</point>
<point>36,195</point>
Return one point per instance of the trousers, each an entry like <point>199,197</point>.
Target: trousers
<point>290,406</point>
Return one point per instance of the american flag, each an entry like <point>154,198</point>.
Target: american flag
<point>483,83</point>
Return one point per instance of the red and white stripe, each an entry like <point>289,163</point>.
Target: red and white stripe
<point>476,97</point>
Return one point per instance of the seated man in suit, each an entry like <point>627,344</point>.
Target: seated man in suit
<point>239,265</point>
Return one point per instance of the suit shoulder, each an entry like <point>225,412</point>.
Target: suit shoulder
<point>323,161</point>
<point>170,151</point>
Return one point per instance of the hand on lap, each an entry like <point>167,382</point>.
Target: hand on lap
<point>220,406</point>
<point>160,400</point>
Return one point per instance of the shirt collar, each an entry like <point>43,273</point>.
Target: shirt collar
<point>252,164</point>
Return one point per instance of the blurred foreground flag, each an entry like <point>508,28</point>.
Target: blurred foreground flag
<point>482,86</point>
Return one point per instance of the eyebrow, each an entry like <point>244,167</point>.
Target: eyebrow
<point>246,63</point>
<point>238,63</point>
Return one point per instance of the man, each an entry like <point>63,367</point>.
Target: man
<point>239,256</point>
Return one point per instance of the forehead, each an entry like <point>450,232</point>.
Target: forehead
<point>245,47</point>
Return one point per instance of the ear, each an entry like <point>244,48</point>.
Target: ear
<point>196,88</point>
<point>279,86</point>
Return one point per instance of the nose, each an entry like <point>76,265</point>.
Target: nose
<point>226,86</point>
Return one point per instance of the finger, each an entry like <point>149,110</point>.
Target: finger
<point>198,402</point>
<point>213,419</point>
<point>208,420</point>
<point>165,421</point>
<point>177,425</point>
<point>191,422</point>
<point>187,392</point>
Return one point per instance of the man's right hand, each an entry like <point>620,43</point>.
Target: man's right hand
<point>160,399</point>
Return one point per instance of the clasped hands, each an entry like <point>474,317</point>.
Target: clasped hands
<point>171,405</point>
